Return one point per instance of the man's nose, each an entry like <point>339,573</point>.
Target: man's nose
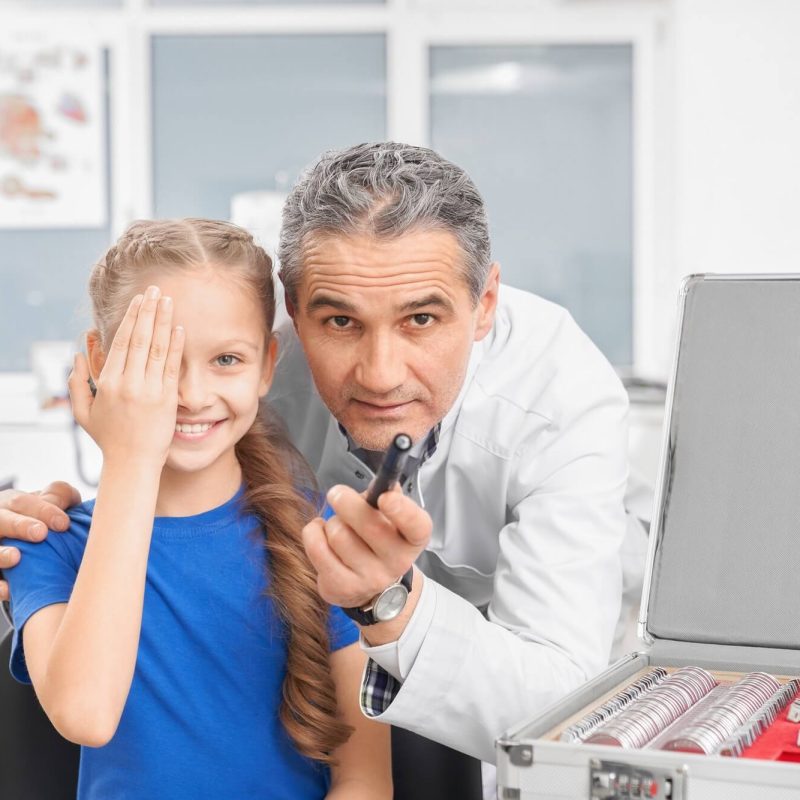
<point>381,366</point>
<point>192,389</point>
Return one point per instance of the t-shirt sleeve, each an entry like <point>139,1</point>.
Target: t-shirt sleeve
<point>342,630</point>
<point>44,575</point>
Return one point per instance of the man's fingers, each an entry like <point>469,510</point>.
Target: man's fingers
<point>336,583</point>
<point>18,526</point>
<point>350,548</point>
<point>317,549</point>
<point>9,557</point>
<point>80,394</point>
<point>28,515</point>
<point>393,544</point>
<point>413,522</point>
<point>62,495</point>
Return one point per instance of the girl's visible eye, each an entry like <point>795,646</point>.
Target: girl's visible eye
<point>423,320</point>
<point>228,360</point>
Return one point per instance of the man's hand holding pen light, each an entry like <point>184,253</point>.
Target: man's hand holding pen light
<point>364,548</point>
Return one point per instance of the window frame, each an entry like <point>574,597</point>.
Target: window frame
<point>411,28</point>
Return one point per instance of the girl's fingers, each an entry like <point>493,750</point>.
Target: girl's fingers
<point>159,346</point>
<point>118,352</point>
<point>142,335</point>
<point>79,392</point>
<point>172,364</point>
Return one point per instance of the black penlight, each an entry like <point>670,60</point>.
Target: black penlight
<point>394,459</point>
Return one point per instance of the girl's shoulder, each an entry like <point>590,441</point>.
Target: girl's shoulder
<point>80,520</point>
<point>68,544</point>
<point>81,515</point>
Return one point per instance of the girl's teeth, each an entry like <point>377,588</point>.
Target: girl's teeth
<point>196,428</point>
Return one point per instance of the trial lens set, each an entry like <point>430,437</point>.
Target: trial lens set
<point>689,711</point>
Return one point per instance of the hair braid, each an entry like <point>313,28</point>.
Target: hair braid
<point>274,492</point>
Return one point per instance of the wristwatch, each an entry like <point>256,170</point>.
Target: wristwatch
<point>386,605</point>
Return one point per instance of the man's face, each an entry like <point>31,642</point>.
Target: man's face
<point>387,326</point>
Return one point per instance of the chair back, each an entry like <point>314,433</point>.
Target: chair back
<point>35,761</point>
<point>426,770</point>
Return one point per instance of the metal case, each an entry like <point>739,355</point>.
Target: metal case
<point>723,573</point>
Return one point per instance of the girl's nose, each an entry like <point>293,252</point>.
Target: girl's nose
<point>192,391</point>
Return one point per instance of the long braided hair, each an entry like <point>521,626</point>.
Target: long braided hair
<point>278,484</point>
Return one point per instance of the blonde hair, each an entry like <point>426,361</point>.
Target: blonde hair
<point>278,483</point>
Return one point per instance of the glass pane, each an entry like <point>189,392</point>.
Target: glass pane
<point>546,134</point>
<point>62,3</point>
<point>44,275</point>
<point>266,2</point>
<point>242,113</point>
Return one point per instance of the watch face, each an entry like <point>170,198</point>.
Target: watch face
<point>390,603</point>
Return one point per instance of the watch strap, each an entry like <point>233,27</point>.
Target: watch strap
<point>364,615</point>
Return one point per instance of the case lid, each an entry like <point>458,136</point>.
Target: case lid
<point>724,563</point>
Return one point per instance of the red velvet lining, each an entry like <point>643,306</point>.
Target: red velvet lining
<point>778,742</point>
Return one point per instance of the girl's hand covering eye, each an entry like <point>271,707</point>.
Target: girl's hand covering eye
<point>133,415</point>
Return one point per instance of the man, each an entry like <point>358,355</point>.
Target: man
<point>512,508</point>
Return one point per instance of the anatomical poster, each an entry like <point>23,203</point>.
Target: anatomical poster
<point>52,134</point>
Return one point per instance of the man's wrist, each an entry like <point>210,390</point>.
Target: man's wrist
<point>385,632</point>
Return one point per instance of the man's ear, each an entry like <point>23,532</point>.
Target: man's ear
<point>290,307</point>
<point>291,310</point>
<point>487,305</point>
<point>95,354</point>
<point>270,357</point>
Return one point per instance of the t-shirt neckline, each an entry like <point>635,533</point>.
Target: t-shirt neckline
<point>196,523</point>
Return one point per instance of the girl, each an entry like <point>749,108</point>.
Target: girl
<point>175,630</point>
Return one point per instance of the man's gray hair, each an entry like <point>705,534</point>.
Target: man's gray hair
<point>384,190</point>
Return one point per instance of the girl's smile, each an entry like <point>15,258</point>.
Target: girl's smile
<point>195,430</point>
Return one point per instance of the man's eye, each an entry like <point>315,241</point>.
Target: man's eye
<point>422,320</point>
<point>227,360</point>
<point>340,322</point>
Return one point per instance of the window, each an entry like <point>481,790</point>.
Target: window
<point>545,131</point>
<point>549,111</point>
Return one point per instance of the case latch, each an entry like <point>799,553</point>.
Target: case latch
<point>612,780</point>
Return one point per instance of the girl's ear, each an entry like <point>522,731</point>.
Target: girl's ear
<point>270,356</point>
<point>95,354</point>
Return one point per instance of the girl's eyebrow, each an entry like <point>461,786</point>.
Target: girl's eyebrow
<point>237,343</point>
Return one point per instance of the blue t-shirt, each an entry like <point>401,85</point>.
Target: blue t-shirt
<point>201,720</point>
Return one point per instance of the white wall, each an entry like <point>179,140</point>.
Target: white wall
<point>737,136</point>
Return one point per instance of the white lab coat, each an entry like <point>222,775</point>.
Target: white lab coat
<point>526,494</point>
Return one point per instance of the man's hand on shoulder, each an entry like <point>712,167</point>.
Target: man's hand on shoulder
<point>28,516</point>
<point>361,550</point>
